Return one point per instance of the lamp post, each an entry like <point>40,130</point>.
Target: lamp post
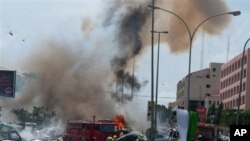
<point>191,36</point>
<point>151,137</point>
<point>241,76</point>
<point>157,75</point>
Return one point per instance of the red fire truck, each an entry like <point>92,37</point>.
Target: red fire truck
<point>91,130</point>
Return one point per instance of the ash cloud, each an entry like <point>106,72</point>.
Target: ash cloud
<point>67,81</point>
<point>193,12</point>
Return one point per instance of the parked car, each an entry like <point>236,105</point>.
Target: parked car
<point>133,136</point>
<point>42,136</point>
<point>10,135</point>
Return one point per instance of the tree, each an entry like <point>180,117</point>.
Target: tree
<point>211,114</point>
<point>39,115</point>
<point>218,114</point>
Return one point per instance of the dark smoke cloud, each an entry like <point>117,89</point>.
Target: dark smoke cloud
<point>129,44</point>
<point>134,27</point>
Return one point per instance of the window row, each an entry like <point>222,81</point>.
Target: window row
<point>236,65</point>
<point>232,92</point>
<point>231,80</point>
<point>234,103</point>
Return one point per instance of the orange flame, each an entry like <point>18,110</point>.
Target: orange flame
<point>119,119</point>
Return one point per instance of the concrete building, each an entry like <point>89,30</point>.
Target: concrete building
<point>230,82</point>
<point>203,84</point>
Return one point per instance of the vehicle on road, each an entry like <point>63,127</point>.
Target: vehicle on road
<point>10,135</point>
<point>90,130</point>
<point>133,136</point>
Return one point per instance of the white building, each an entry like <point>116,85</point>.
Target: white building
<point>203,84</point>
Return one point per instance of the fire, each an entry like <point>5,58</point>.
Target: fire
<point>119,119</point>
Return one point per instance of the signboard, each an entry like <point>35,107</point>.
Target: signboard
<point>150,107</point>
<point>7,83</point>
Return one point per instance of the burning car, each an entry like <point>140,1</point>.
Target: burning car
<point>133,136</point>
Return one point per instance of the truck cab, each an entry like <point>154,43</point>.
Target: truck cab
<point>90,131</point>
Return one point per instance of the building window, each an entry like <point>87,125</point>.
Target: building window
<point>243,100</point>
<point>245,59</point>
<point>209,102</point>
<point>208,86</point>
<point>214,69</point>
<point>239,63</point>
<point>244,86</point>
<point>207,76</point>
<point>244,73</point>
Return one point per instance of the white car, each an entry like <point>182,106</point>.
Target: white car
<point>133,136</point>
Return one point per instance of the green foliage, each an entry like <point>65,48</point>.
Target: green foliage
<point>162,113</point>
<point>218,114</point>
<point>39,115</point>
<point>214,114</point>
<point>211,113</point>
<point>228,117</point>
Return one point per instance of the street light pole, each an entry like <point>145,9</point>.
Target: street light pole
<point>152,76</point>
<point>157,75</point>
<point>191,36</point>
<point>241,76</point>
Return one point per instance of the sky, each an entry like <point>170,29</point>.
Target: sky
<point>34,22</point>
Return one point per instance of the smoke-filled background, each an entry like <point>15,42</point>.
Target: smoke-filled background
<point>72,69</point>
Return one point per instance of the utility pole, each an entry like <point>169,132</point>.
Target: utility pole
<point>152,75</point>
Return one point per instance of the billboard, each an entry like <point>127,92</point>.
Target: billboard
<point>150,108</point>
<point>7,83</point>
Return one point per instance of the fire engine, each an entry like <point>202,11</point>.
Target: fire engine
<point>93,130</point>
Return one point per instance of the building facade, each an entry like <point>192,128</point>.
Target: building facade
<point>203,83</point>
<point>230,82</point>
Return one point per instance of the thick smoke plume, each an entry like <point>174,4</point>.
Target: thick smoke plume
<point>193,12</point>
<point>69,82</point>
<point>130,44</point>
<point>133,29</point>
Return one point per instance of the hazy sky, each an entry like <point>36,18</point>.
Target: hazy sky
<point>33,22</point>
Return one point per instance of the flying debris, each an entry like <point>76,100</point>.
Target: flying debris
<point>23,40</point>
<point>11,34</point>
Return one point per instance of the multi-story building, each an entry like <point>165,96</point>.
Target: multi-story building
<point>203,83</point>
<point>230,82</point>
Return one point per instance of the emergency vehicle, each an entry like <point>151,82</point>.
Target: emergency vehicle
<point>91,130</point>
